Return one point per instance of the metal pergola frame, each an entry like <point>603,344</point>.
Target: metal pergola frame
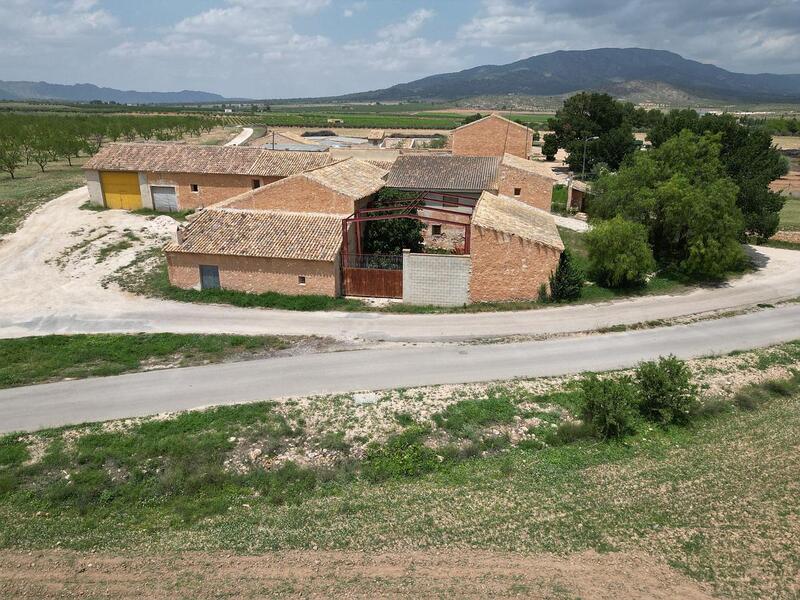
<point>364,215</point>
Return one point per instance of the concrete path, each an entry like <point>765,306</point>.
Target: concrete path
<point>36,298</point>
<point>338,372</point>
<point>241,138</point>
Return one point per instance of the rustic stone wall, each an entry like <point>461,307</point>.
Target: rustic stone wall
<point>211,188</point>
<point>506,267</point>
<point>492,137</point>
<point>300,194</point>
<point>256,275</point>
<point>535,190</point>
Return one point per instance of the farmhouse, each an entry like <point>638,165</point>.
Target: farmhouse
<point>514,249</point>
<point>338,188</point>
<point>171,177</point>
<point>258,251</point>
<point>492,136</point>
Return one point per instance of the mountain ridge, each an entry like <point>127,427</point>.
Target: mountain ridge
<point>87,92</point>
<point>566,71</point>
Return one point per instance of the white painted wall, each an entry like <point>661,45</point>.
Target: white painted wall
<point>95,188</point>
<point>144,189</point>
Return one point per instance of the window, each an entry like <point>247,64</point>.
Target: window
<point>517,191</point>
<point>301,279</point>
<point>436,230</point>
<point>195,187</point>
<point>209,277</point>
<point>256,184</point>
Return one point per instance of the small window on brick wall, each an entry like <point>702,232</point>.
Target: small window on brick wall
<point>517,191</point>
<point>436,229</point>
<point>301,279</point>
<point>256,184</point>
<point>194,187</point>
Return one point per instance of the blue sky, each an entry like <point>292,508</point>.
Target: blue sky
<point>291,48</point>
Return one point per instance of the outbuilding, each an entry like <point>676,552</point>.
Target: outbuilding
<point>258,251</point>
<point>492,136</point>
<point>170,177</point>
<point>338,188</point>
<point>514,249</point>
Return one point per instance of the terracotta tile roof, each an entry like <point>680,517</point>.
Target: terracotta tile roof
<point>493,116</point>
<point>581,186</point>
<point>537,167</point>
<point>352,177</point>
<point>186,158</point>
<point>383,164</point>
<point>444,172</point>
<point>506,215</point>
<point>263,234</point>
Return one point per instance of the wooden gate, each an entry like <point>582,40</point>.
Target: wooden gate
<point>372,275</point>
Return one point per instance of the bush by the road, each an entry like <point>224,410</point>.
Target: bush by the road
<point>619,255</point>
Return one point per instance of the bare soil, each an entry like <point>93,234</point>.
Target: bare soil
<point>316,574</point>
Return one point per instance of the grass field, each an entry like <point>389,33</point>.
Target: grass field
<point>717,500</point>
<point>31,188</point>
<point>790,214</point>
<point>26,361</point>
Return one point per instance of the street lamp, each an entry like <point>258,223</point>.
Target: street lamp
<point>585,145</point>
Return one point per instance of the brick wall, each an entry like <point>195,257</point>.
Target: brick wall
<point>300,194</point>
<point>255,275</point>
<point>535,190</point>
<point>492,137</point>
<point>211,188</point>
<point>506,267</point>
<point>435,279</point>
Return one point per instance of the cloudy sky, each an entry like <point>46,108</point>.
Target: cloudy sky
<point>291,48</point>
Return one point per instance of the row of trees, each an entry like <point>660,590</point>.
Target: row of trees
<point>43,139</point>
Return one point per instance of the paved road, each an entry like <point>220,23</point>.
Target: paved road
<point>337,372</point>
<point>36,298</point>
<point>242,137</point>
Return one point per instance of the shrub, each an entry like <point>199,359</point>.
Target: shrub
<point>567,280</point>
<point>403,455</point>
<point>666,392</point>
<point>466,418</point>
<point>568,432</point>
<point>619,255</point>
<point>609,406</point>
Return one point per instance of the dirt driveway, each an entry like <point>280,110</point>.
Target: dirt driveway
<point>309,574</point>
<point>52,270</point>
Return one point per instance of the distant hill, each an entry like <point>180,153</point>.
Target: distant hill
<point>86,92</point>
<point>615,70</point>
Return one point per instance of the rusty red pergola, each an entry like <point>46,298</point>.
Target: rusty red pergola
<point>407,211</point>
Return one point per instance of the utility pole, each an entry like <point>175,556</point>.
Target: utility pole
<point>585,146</point>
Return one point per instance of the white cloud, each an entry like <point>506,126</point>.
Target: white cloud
<point>407,28</point>
<point>355,7</point>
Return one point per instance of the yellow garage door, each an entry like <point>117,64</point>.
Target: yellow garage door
<point>121,190</point>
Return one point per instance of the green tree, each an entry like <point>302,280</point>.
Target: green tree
<point>567,280</point>
<point>681,193</point>
<point>550,146</point>
<point>392,236</point>
<point>749,159</point>
<point>595,123</point>
<point>10,156</point>
<point>619,254</point>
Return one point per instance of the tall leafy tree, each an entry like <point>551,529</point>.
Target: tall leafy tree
<point>682,194</point>
<point>591,115</point>
<point>750,160</point>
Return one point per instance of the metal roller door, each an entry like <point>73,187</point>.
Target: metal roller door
<point>121,190</point>
<point>164,198</point>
